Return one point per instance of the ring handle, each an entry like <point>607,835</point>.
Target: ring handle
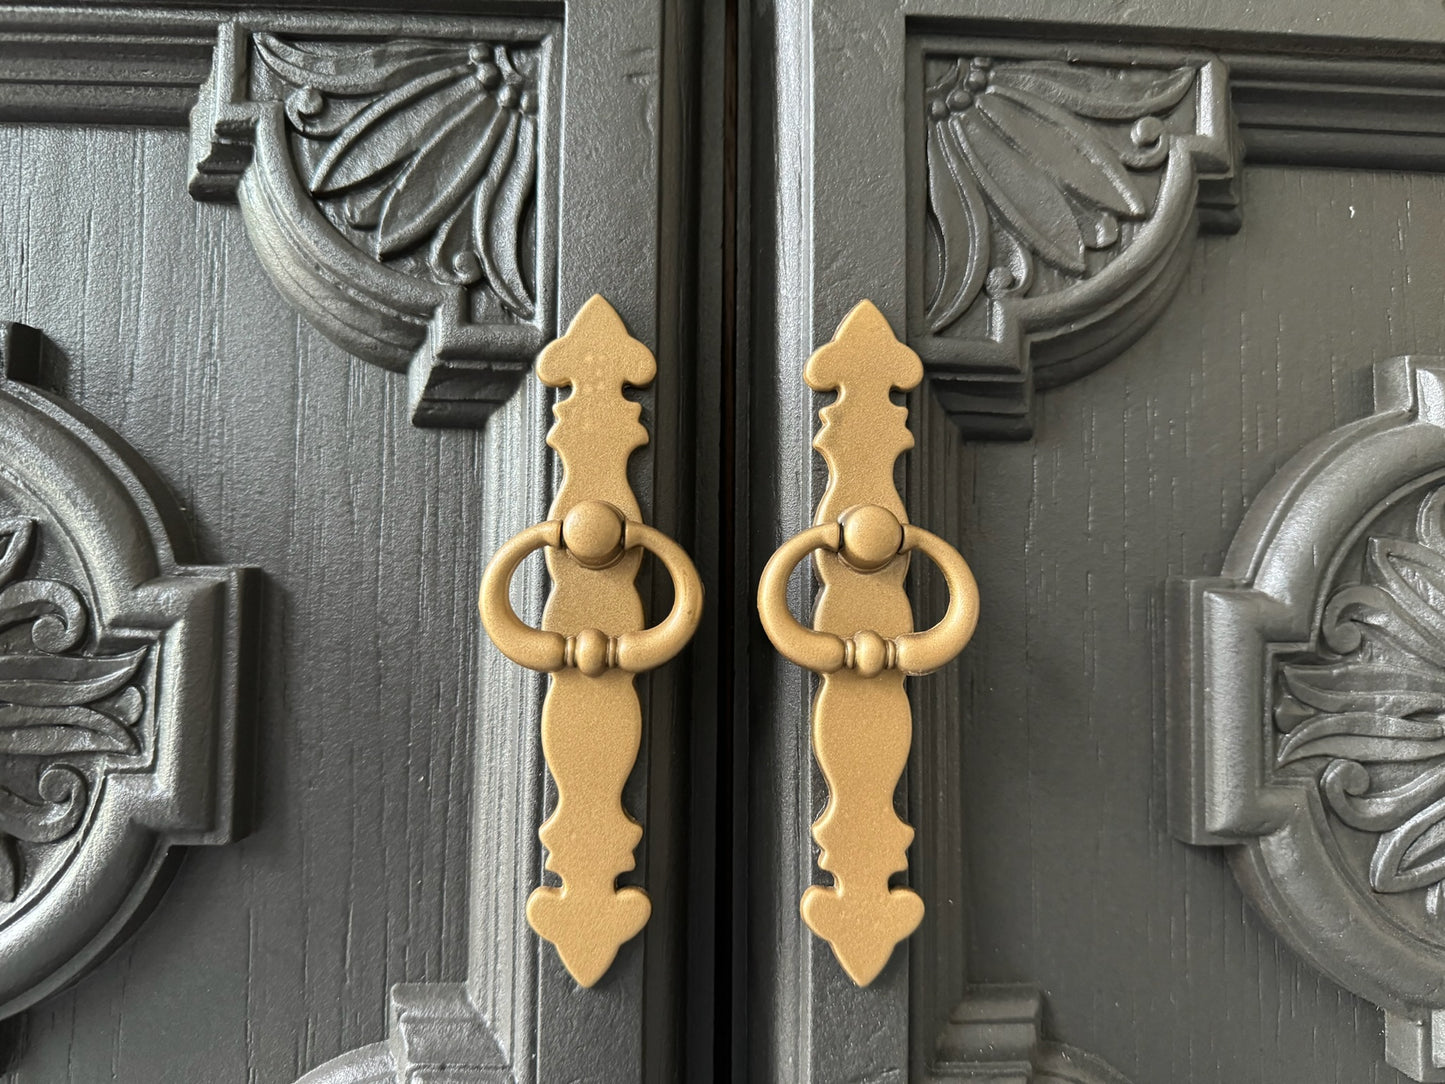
<point>597,535</point>
<point>867,539</point>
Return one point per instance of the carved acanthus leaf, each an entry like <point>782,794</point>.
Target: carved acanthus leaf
<point>1306,701</point>
<point>56,700</point>
<point>1372,706</point>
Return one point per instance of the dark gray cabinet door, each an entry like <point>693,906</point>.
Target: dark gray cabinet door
<point>274,281</point>
<point>1155,261</point>
<point>300,263</point>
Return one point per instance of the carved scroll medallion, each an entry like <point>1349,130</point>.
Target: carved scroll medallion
<point>1306,691</point>
<point>119,673</point>
<point>396,192</point>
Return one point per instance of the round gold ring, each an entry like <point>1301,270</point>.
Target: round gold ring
<point>590,650</point>
<point>866,651</point>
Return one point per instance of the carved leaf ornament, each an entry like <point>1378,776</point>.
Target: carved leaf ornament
<point>56,702</point>
<point>1026,143</point>
<point>426,147</point>
<point>1377,711</point>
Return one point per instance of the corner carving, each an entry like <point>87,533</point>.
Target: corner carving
<point>397,192</point>
<point>120,674</point>
<point>1306,692</point>
<point>1058,198</point>
<point>437,1033</point>
<point>996,1036</point>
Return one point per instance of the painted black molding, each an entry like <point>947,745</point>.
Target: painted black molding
<point>1322,106</point>
<point>1354,114</point>
<point>1306,686</point>
<point>1061,196</point>
<point>121,672</point>
<point>73,66</point>
<point>399,193</point>
<point>996,1036</point>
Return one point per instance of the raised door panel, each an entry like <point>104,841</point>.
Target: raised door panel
<point>340,393</point>
<point>1136,296</point>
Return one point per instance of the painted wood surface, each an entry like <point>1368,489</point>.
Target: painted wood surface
<point>1052,863</point>
<point>269,956</point>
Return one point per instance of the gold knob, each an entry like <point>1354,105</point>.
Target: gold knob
<point>868,538</point>
<point>596,535</point>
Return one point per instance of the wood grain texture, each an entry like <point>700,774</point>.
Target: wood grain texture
<point>266,957</point>
<point>1146,949</point>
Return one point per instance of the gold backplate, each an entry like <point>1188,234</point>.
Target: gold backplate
<point>592,726</point>
<point>862,727</point>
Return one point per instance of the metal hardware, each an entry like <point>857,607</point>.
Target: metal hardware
<point>596,535</point>
<point>592,639</point>
<point>862,642</point>
<point>868,538</point>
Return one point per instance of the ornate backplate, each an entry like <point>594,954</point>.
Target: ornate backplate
<point>120,671</point>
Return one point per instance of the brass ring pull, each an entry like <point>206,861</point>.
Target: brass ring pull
<point>867,538</point>
<point>596,535</point>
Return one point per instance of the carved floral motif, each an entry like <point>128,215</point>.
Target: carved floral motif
<point>1029,160</point>
<point>1374,706</point>
<point>420,149</point>
<point>57,702</point>
<point>1305,686</point>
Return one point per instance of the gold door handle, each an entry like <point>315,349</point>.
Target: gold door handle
<point>862,640</point>
<point>868,538</point>
<point>592,640</point>
<point>597,536</point>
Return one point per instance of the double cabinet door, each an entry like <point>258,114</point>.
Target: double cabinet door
<point>640,540</point>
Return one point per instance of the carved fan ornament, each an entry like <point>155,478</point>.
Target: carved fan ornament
<point>395,191</point>
<point>1060,194</point>
<point>1021,143</point>
<point>1306,693</point>
<point>422,149</point>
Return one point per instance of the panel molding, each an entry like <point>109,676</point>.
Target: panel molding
<point>996,1036</point>
<point>78,66</point>
<point>437,1034</point>
<point>120,689</point>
